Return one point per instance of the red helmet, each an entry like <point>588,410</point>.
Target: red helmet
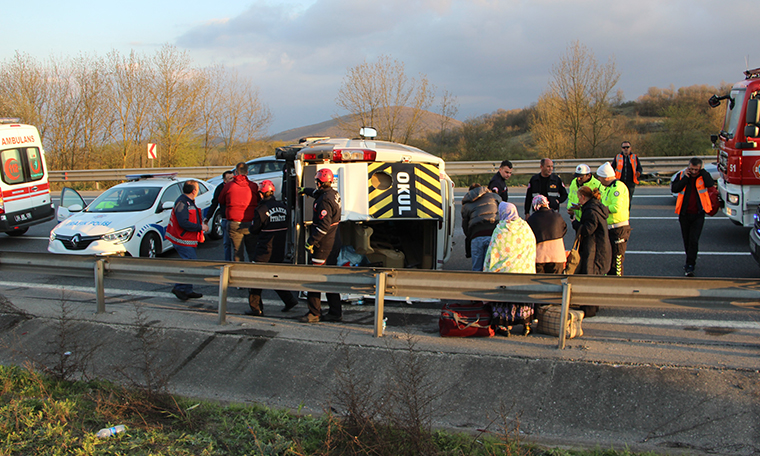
<point>324,176</point>
<point>266,186</point>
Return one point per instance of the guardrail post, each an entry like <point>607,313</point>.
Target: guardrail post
<point>566,288</point>
<point>380,281</point>
<point>100,293</point>
<point>224,280</point>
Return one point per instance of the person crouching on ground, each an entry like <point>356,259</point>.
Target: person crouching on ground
<point>185,232</point>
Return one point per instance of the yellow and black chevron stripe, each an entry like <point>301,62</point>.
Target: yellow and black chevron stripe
<point>407,190</point>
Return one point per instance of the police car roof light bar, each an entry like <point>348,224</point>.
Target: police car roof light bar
<point>134,177</point>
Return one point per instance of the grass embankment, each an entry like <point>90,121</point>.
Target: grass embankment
<point>42,415</point>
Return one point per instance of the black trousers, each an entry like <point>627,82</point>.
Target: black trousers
<point>619,242</point>
<point>549,268</point>
<point>691,230</point>
<point>330,250</point>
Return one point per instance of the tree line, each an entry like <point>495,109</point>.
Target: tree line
<point>101,112</point>
<point>98,112</point>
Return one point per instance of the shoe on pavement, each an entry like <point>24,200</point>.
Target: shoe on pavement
<point>180,294</point>
<point>309,318</point>
<point>194,295</point>
<point>689,270</point>
<point>332,317</point>
<point>254,312</point>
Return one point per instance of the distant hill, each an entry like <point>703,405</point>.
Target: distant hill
<point>430,122</point>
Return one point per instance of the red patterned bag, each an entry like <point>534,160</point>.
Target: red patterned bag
<point>465,320</point>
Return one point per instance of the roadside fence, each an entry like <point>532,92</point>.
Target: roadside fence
<point>575,290</point>
<point>653,166</point>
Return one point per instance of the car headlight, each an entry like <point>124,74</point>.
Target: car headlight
<point>733,199</point>
<point>121,236</point>
<point>52,236</point>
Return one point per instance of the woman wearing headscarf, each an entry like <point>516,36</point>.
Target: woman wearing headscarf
<point>512,249</point>
<point>549,229</point>
<point>594,247</point>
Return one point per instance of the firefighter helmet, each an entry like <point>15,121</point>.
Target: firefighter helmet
<point>324,176</point>
<point>266,186</point>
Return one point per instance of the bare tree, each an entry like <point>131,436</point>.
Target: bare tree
<point>129,99</point>
<point>448,110</point>
<point>576,106</point>
<point>24,90</point>
<point>175,90</point>
<point>382,96</point>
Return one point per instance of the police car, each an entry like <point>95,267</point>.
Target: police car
<point>128,219</point>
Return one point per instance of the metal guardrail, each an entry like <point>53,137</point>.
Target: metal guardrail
<point>651,165</point>
<point>576,290</point>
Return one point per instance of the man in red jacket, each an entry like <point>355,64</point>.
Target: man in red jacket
<point>240,198</point>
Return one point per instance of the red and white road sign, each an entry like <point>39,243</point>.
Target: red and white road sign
<point>152,151</point>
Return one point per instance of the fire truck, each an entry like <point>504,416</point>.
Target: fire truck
<point>24,190</point>
<point>397,202</point>
<point>738,150</point>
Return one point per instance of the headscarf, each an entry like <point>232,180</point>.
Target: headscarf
<point>539,201</point>
<point>507,211</point>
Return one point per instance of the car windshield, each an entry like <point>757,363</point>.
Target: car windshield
<point>125,199</point>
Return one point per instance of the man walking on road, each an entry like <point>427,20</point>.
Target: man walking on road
<point>692,204</point>
<point>185,232</point>
<point>548,184</point>
<point>627,168</point>
<point>499,180</point>
<point>615,198</point>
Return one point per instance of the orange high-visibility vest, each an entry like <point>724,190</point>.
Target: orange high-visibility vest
<point>619,167</point>
<point>704,197</point>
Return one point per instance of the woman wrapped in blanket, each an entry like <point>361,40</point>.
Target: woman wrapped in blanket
<point>512,249</point>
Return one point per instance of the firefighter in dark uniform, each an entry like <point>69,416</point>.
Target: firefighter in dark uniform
<point>271,225</point>
<point>324,243</point>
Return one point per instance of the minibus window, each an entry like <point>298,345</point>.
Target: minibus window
<point>12,169</point>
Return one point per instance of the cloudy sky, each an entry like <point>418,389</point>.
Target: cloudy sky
<point>490,54</point>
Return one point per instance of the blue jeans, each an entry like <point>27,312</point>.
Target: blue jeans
<point>186,253</point>
<point>478,248</point>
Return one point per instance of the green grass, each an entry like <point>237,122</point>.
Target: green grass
<point>42,415</point>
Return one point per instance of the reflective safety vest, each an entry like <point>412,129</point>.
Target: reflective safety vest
<point>619,160</point>
<point>704,197</point>
<point>178,236</point>
<point>572,193</point>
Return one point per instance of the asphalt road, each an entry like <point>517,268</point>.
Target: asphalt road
<point>655,247</point>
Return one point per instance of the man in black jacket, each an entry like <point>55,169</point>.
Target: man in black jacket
<point>693,202</point>
<point>548,184</point>
<point>271,225</point>
<point>480,215</point>
<point>499,180</point>
<point>324,243</point>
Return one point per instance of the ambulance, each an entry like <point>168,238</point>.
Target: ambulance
<point>25,199</point>
<point>397,202</point>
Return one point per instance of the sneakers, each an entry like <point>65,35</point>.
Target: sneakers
<point>688,270</point>
<point>180,294</point>
<point>194,295</point>
<point>309,318</point>
<point>332,317</point>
